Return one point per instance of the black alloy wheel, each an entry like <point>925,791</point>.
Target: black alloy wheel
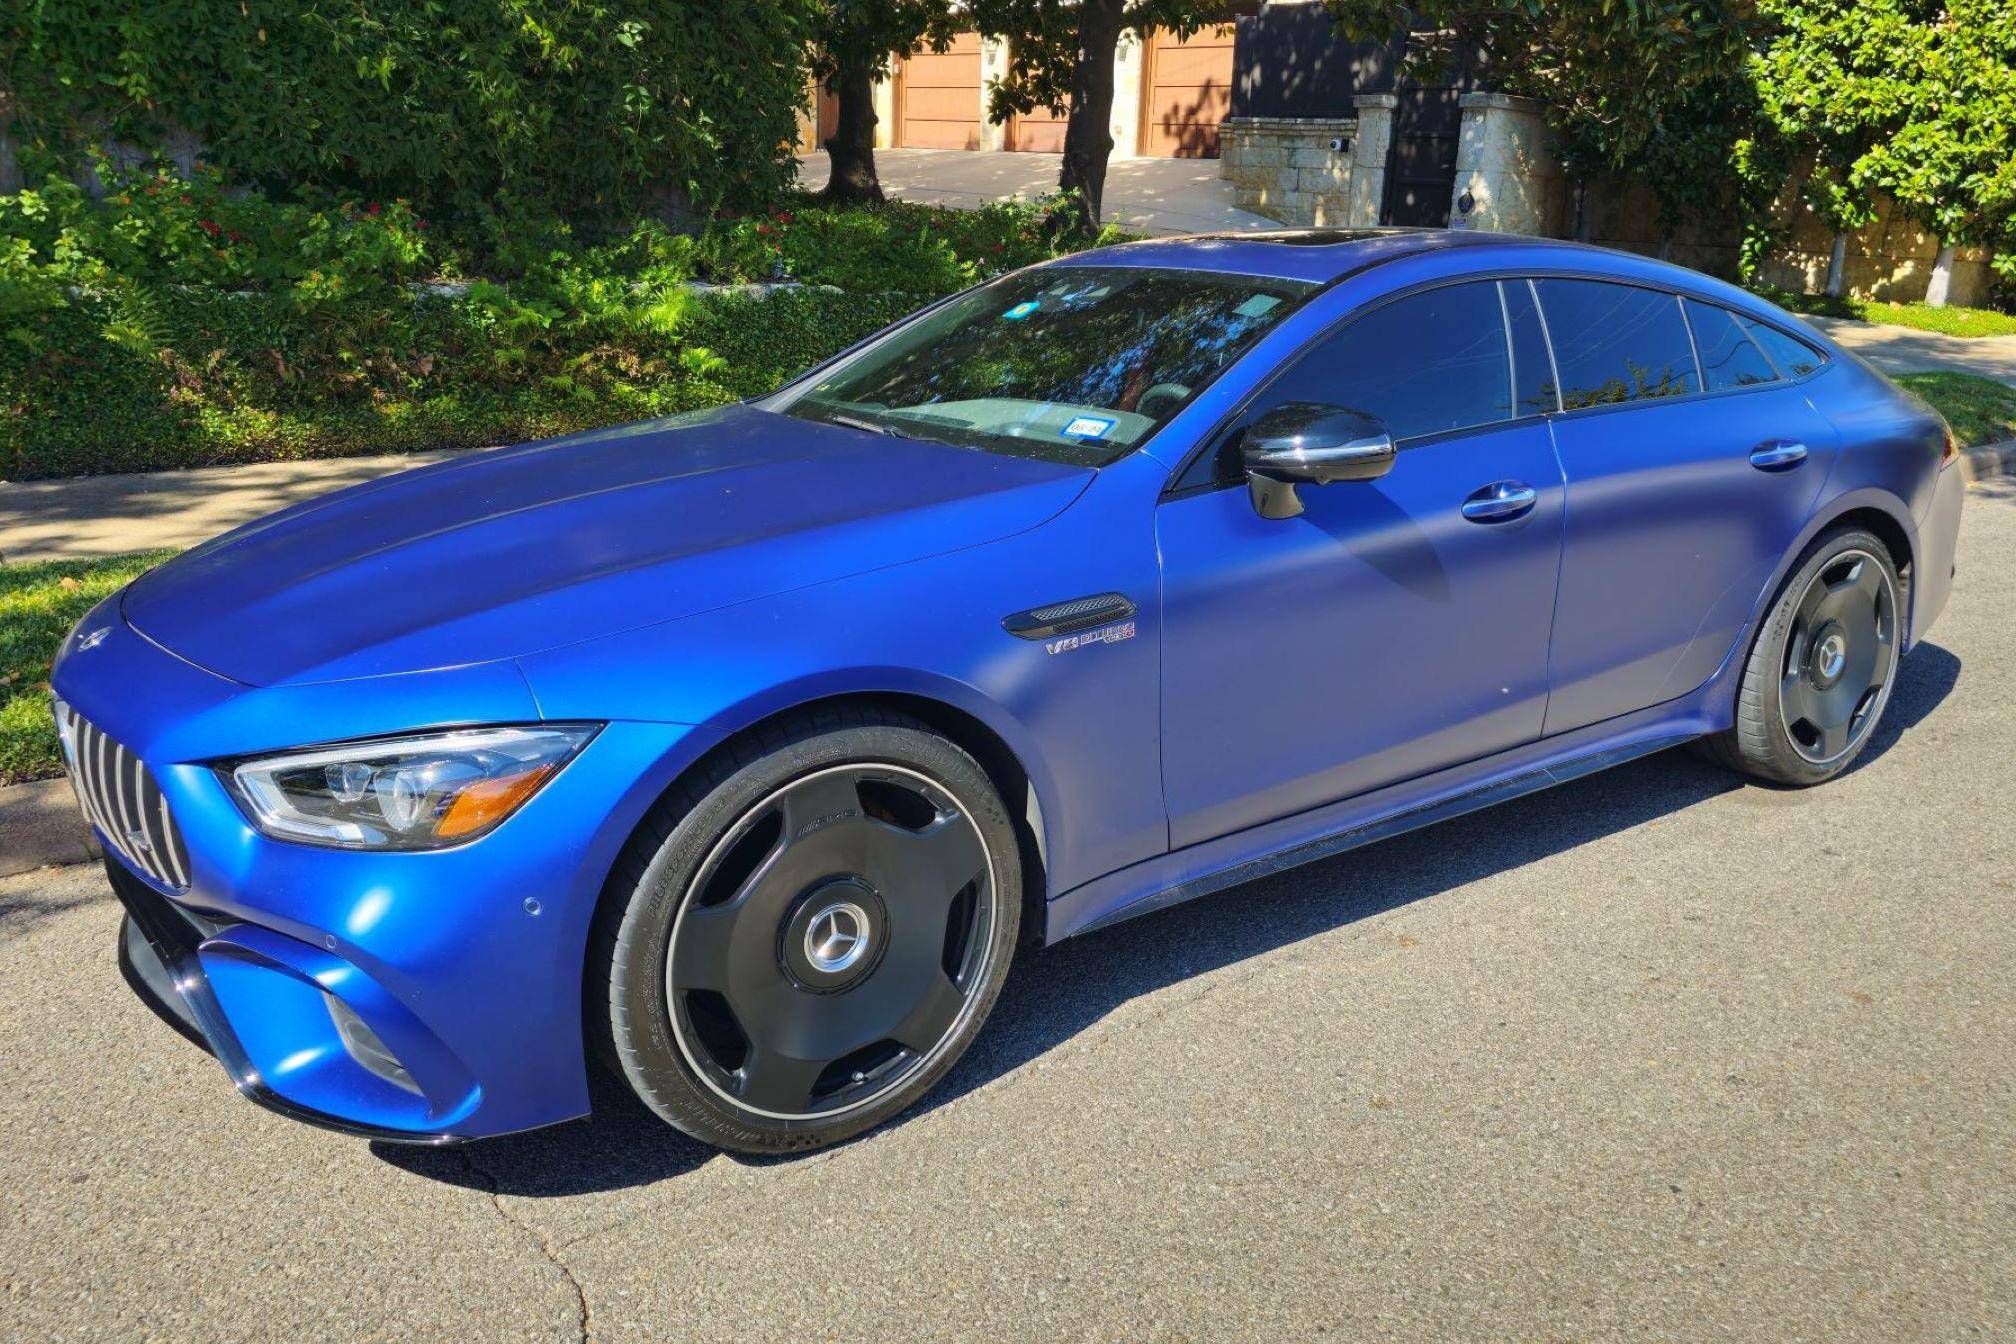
<point>832,942</point>
<point>1840,656</point>
<point>829,950</point>
<point>1823,666</point>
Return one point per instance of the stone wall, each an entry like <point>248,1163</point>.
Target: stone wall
<point>1889,259</point>
<point>1310,171</point>
<point>1286,169</point>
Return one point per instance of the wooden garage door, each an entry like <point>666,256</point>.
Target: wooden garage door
<point>938,97</point>
<point>1187,91</point>
<point>1040,131</point>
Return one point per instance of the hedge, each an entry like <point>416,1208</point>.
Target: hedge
<point>215,389</point>
<point>178,323</point>
<point>604,109</point>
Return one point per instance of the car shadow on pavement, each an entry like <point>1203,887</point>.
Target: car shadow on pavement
<point>1057,993</point>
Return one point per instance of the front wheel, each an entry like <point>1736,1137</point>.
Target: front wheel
<point>816,933</point>
<point>1821,672</point>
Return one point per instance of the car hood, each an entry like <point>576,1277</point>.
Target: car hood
<point>509,552</point>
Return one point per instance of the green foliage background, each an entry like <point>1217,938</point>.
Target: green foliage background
<point>179,324</point>
<point>461,106</point>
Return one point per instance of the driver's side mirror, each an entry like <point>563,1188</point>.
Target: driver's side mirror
<point>1310,443</point>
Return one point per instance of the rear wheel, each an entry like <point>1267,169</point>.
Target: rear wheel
<point>819,928</point>
<point>1821,672</point>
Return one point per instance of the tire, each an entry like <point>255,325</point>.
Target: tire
<point>806,936</point>
<point>1824,663</point>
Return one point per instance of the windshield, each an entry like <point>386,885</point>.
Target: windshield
<point>1071,364</point>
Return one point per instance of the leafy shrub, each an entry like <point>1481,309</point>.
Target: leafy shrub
<point>178,323</point>
<point>586,111</point>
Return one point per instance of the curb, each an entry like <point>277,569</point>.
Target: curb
<point>40,827</point>
<point>1989,461</point>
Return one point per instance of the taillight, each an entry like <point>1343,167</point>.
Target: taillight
<point>1952,449</point>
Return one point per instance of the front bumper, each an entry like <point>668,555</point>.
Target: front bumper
<point>417,997</point>
<point>162,951</point>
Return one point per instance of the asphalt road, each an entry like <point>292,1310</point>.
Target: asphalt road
<point>1654,1055</point>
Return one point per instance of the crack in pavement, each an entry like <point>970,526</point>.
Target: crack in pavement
<point>584,1320</point>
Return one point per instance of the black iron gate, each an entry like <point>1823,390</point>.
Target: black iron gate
<point>1421,165</point>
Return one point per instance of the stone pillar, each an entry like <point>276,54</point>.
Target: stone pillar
<point>993,68</point>
<point>1370,152</point>
<point>885,112</point>
<point>1505,167</point>
<point>1125,125</point>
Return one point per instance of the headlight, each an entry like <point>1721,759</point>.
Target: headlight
<point>420,792</point>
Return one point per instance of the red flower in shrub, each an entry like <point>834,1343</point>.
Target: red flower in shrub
<point>783,216</point>
<point>372,208</point>
<point>210,226</point>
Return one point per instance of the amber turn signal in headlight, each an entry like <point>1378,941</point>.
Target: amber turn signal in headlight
<point>420,792</point>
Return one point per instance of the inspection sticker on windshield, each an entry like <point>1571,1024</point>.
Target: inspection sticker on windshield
<point>1022,310</point>
<point>1089,427</point>
<point>1257,305</point>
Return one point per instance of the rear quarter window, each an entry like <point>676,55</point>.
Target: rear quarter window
<point>1794,358</point>
<point>1729,358</point>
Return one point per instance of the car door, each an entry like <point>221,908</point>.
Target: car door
<point>1682,497</point>
<point>1397,625</point>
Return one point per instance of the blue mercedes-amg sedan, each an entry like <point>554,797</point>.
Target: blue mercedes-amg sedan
<point>741,751</point>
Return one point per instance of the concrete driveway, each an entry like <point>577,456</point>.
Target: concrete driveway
<point>1142,195</point>
<point>1657,1054</point>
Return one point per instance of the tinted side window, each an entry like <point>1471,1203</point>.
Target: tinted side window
<point>1425,364</point>
<point>1793,356</point>
<point>1532,370</point>
<point>1615,343</point>
<point>1729,358</point>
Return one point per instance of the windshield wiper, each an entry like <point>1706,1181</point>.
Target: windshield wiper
<point>859,422</point>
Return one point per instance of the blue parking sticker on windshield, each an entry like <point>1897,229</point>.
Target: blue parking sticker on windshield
<point>1088,427</point>
<point>1022,309</point>
<point>1257,305</point>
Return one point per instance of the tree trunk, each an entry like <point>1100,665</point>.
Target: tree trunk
<point>1939,289</point>
<point>1665,247</point>
<point>1585,226</point>
<point>1837,265</point>
<point>851,147</point>
<point>1088,137</point>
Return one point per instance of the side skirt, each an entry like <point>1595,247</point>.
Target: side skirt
<point>1396,823</point>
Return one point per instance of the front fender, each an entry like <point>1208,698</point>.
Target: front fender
<point>1082,721</point>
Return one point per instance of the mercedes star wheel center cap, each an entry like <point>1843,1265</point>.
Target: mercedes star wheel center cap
<point>837,938</point>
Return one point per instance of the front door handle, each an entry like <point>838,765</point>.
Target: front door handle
<point>1500,502</point>
<point>1777,455</point>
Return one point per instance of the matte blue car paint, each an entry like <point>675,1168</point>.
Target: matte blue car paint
<point>683,582</point>
<point>551,543</point>
<point>1671,534</point>
<point>1288,642</point>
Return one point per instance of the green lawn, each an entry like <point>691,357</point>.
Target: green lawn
<point>1980,410</point>
<point>38,605</point>
<point>1946,321</point>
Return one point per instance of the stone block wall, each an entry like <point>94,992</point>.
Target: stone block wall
<point>1284,168</point>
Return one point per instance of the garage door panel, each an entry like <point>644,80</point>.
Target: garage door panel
<point>1206,105</point>
<point>940,105</point>
<point>1189,92</point>
<point>940,97</point>
<point>1192,64</point>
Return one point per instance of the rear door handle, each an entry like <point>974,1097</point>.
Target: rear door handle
<point>1778,455</point>
<point>1500,502</point>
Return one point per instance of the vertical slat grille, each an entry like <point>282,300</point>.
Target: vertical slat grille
<point>121,799</point>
